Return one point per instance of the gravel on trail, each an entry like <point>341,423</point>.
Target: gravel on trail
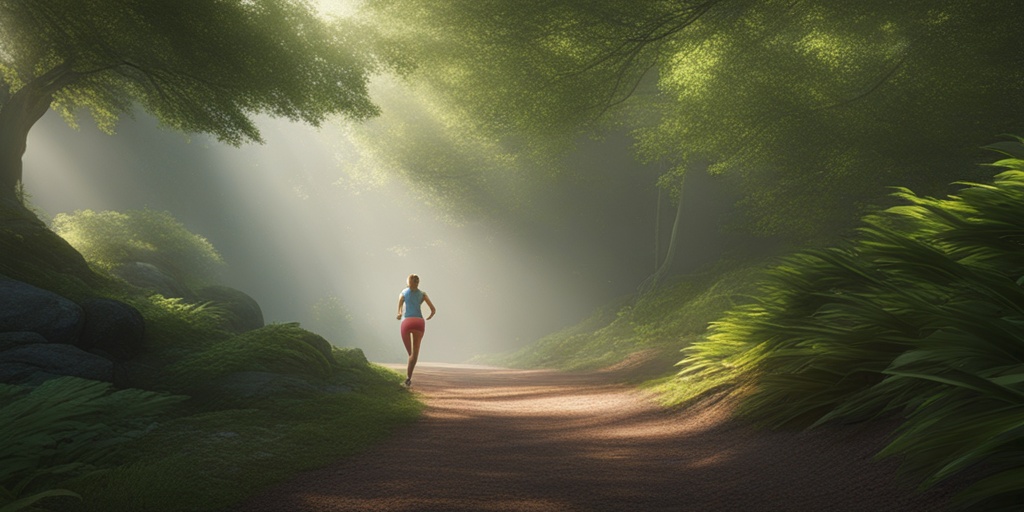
<point>495,439</point>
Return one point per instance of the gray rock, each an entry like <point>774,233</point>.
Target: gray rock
<point>243,313</point>
<point>25,308</point>
<point>9,340</point>
<point>150,277</point>
<point>112,328</point>
<point>32,364</point>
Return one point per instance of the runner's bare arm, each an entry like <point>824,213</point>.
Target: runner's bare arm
<point>431,304</point>
<point>401,302</point>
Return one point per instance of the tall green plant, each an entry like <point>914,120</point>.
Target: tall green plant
<point>922,315</point>
<point>61,429</point>
<point>108,239</point>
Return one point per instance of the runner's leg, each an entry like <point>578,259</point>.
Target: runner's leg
<point>414,354</point>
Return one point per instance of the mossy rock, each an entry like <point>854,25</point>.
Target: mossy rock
<point>241,312</point>
<point>31,253</point>
<point>285,349</point>
<point>349,357</point>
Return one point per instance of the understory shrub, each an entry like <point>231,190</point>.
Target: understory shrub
<point>922,315</point>
<point>107,239</point>
<point>664,320</point>
<point>62,429</point>
<point>277,348</point>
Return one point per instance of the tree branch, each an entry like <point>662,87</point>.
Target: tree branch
<point>874,87</point>
<point>627,56</point>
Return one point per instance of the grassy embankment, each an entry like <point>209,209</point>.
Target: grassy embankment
<point>920,317</point>
<point>177,438</point>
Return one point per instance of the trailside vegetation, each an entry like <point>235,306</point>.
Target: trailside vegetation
<point>107,239</point>
<point>210,415</point>
<point>655,325</point>
<point>65,426</point>
<point>919,318</point>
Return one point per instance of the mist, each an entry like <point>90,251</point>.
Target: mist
<point>313,244</point>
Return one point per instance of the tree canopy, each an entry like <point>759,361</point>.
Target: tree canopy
<point>809,108</point>
<point>198,66</point>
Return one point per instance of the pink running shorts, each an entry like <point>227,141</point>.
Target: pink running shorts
<point>412,324</point>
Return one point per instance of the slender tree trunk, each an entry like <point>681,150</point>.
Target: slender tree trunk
<point>652,281</point>
<point>657,231</point>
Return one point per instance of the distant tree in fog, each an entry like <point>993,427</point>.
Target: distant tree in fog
<point>196,65</point>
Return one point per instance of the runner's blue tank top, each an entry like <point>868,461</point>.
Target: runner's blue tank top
<point>413,299</point>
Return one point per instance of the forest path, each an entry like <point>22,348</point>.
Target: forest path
<point>497,439</point>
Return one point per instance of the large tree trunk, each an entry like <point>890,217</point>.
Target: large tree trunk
<point>17,117</point>
<point>18,114</point>
<point>31,252</point>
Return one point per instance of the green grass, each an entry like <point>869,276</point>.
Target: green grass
<point>210,460</point>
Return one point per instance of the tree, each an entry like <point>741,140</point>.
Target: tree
<point>810,108</point>
<point>814,108</point>
<point>197,65</point>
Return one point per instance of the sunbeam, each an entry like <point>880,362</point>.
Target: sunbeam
<point>294,233</point>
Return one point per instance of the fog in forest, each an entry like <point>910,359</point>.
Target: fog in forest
<point>313,244</point>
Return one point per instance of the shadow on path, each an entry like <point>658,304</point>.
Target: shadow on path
<point>496,439</point>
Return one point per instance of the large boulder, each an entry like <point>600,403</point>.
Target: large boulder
<point>112,329</point>
<point>243,313</point>
<point>25,308</point>
<point>33,363</point>
<point>9,340</point>
<point>151,277</point>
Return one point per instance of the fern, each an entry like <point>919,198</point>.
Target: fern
<point>921,315</point>
<point>63,428</point>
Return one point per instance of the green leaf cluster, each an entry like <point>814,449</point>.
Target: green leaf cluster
<point>809,109</point>
<point>198,66</point>
<point>62,429</point>
<point>921,315</point>
<point>211,460</point>
<point>108,239</point>
<point>663,322</point>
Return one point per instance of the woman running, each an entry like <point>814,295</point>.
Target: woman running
<point>413,323</point>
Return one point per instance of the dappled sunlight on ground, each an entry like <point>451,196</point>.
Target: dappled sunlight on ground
<point>496,439</point>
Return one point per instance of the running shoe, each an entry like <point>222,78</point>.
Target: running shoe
<point>408,383</point>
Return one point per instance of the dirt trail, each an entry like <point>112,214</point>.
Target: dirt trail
<point>495,439</point>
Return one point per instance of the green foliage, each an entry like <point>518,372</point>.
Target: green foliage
<point>480,122</point>
<point>665,320</point>
<point>63,428</point>
<point>276,348</point>
<point>198,66</point>
<point>176,325</point>
<point>211,460</point>
<point>809,108</point>
<point>349,357</point>
<point>920,315</point>
<point>31,253</point>
<point>108,239</point>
